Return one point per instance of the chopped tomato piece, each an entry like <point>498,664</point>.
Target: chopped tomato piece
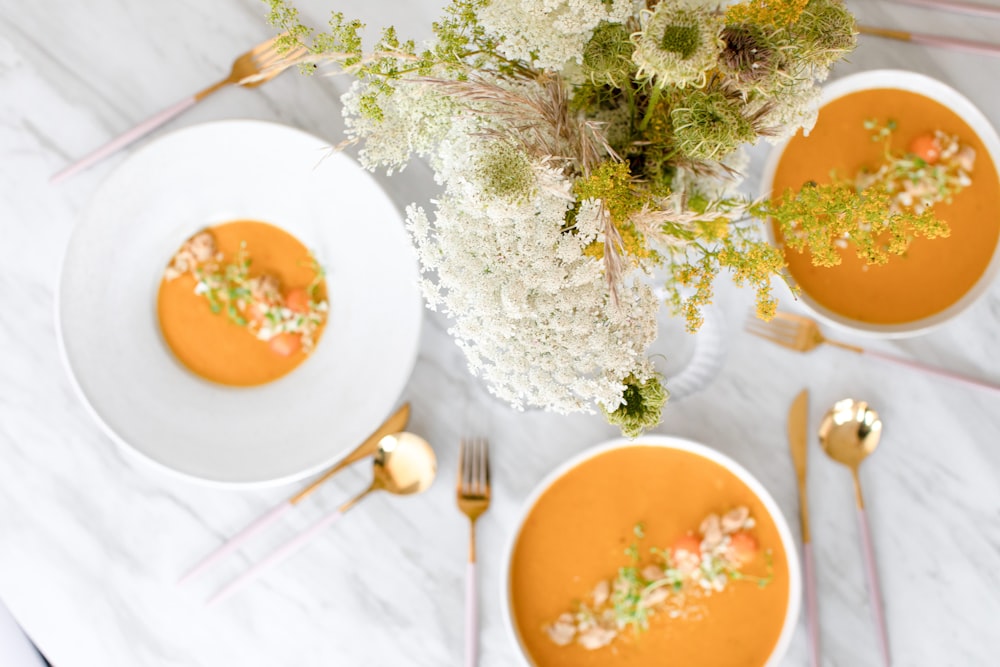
<point>256,311</point>
<point>297,300</point>
<point>687,544</point>
<point>742,547</point>
<point>285,344</point>
<point>926,147</point>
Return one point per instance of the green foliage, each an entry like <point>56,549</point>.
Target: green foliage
<point>461,46</point>
<point>611,183</point>
<point>817,217</point>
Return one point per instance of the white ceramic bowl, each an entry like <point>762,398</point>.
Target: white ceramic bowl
<point>106,306</point>
<point>681,444</point>
<point>949,97</point>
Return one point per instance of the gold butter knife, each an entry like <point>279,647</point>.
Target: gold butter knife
<point>394,424</point>
<point>798,439</point>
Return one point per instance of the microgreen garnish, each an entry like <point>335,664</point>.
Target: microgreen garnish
<point>665,581</point>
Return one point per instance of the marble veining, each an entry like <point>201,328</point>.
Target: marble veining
<point>92,539</point>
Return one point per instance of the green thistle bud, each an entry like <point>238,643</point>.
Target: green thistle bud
<point>708,125</point>
<point>642,406</point>
<point>826,31</point>
<point>607,57</point>
<point>746,57</point>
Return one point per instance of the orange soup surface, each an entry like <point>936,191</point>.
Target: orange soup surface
<point>210,344</point>
<point>934,273</point>
<point>577,534</point>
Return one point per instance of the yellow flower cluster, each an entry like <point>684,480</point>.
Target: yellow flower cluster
<point>778,13</point>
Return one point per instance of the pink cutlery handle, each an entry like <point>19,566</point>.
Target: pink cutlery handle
<point>276,557</point>
<point>956,6</point>
<point>236,541</point>
<point>981,48</point>
<point>982,384</point>
<point>874,589</point>
<point>812,610</point>
<point>124,140</point>
<point>471,616</point>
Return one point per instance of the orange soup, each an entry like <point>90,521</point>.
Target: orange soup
<point>584,528</point>
<point>934,273</point>
<point>242,303</point>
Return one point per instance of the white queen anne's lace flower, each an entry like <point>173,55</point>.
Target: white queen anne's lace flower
<point>549,33</point>
<point>530,309</point>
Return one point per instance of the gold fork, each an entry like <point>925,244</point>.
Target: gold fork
<point>258,65</point>
<point>473,495</point>
<point>803,334</point>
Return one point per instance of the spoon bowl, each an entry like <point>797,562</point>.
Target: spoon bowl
<point>404,464</point>
<point>850,431</point>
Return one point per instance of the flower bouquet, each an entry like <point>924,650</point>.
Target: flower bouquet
<point>581,146</point>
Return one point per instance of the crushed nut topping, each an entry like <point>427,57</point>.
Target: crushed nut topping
<point>669,582</point>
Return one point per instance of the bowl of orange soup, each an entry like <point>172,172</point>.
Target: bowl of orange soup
<point>239,304</point>
<point>944,145</point>
<point>636,550</point>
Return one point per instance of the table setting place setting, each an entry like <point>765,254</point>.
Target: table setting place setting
<point>550,333</point>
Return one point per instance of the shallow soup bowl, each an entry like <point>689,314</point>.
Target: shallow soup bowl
<point>953,101</point>
<point>110,331</point>
<point>583,509</point>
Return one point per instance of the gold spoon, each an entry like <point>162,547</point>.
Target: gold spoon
<point>404,464</point>
<point>851,431</point>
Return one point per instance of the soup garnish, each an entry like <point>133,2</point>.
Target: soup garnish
<point>881,209</point>
<point>667,581</point>
<point>936,166</point>
<point>286,319</point>
<point>242,303</point>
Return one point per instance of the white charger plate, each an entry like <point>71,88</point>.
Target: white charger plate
<point>106,304</point>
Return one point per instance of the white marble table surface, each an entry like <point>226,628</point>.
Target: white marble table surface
<point>91,539</point>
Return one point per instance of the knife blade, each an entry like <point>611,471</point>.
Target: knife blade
<point>798,440</point>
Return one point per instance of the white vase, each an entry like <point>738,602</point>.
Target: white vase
<point>688,361</point>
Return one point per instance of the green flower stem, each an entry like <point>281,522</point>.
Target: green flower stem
<point>654,100</point>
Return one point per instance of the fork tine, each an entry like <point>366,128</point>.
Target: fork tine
<point>763,329</point>
<point>470,465</point>
<point>461,466</point>
<point>473,463</point>
<point>272,56</point>
<point>774,335</point>
<point>481,468</point>
<point>269,44</point>
<point>783,323</point>
<point>775,327</point>
<point>486,469</point>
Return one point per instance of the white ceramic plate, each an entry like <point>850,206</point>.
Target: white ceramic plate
<point>949,97</point>
<point>106,306</point>
<point>787,542</point>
